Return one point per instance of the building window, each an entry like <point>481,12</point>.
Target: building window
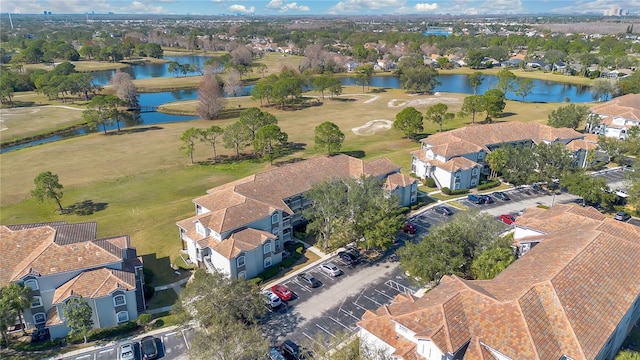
<point>275,231</point>
<point>480,154</point>
<point>36,301</point>
<point>278,242</point>
<point>275,218</point>
<point>122,316</point>
<point>267,262</point>
<point>474,171</point>
<point>267,247</point>
<point>458,174</point>
<point>242,274</point>
<point>119,300</point>
<point>240,261</point>
<point>473,182</point>
<point>32,283</point>
<point>39,318</point>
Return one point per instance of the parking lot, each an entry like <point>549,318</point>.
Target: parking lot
<point>172,344</point>
<point>616,178</point>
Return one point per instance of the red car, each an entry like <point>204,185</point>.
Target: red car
<point>507,219</point>
<point>282,292</point>
<point>409,228</point>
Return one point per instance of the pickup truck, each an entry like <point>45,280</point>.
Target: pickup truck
<point>476,199</point>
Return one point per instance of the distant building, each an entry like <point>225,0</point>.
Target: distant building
<point>617,116</point>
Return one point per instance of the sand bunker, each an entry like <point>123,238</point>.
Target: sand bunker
<point>393,103</point>
<point>372,127</point>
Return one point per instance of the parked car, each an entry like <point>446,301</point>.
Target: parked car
<point>622,216</point>
<point>282,292</point>
<point>293,351</point>
<point>475,199</point>
<point>443,210</point>
<point>40,335</point>
<point>274,354</point>
<point>409,228</point>
<point>309,280</point>
<point>502,196</point>
<point>330,269</point>
<point>487,199</point>
<point>507,219</point>
<point>348,258</point>
<point>126,351</point>
<point>148,347</point>
<point>271,299</point>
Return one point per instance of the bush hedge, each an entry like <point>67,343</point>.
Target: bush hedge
<point>99,334</point>
<point>273,270</point>
<point>445,190</point>
<point>429,182</point>
<point>489,185</point>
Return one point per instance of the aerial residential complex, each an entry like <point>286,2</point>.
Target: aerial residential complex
<point>59,261</point>
<point>575,295</point>
<point>456,158</point>
<point>617,116</point>
<point>239,228</point>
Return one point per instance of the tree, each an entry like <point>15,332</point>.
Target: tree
<point>102,110</point>
<point>451,247</point>
<point>19,299</point>
<point>233,83</point>
<point>7,315</point>
<point>605,89</point>
<point>234,341</point>
<point>474,58</point>
<point>417,77</point>
<point>47,187</point>
<point>269,141</point>
<point>627,354</point>
<point>409,121</point>
<point>615,148</point>
<point>78,316</point>
<point>348,209</point>
<point>364,74</point>
<point>236,136</point>
<point>593,190</point>
<point>494,102</point>
<point>210,99</point>
<point>189,138</point>
<point>553,160</point>
<point>497,160</point>
<point>633,177</point>
<point>475,80</point>
<point>569,116</point>
<point>174,67</point>
<point>211,136</point>
<point>439,115</point>
<point>125,89</point>
<point>473,104</point>
<point>322,83</point>
<point>491,262</point>
<point>253,119</point>
<point>328,137</point>
<point>505,80</point>
<point>525,86</point>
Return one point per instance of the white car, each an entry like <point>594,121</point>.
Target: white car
<point>271,299</point>
<point>330,269</point>
<point>126,351</point>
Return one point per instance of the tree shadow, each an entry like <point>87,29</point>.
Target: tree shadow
<point>359,154</point>
<point>379,90</point>
<point>134,130</point>
<point>83,208</point>
<point>507,114</point>
<point>343,99</point>
<point>289,161</point>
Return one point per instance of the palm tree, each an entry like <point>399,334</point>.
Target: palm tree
<point>19,297</point>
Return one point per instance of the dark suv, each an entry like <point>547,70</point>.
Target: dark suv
<point>293,351</point>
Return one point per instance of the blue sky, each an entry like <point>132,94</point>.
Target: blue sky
<point>316,7</point>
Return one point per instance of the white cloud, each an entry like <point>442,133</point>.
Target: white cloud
<point>138,7</point>
<point>350,6</point>
<point>599,6</point>
<point>241,9</point>
<point>81,7</point>
<point>426,7</point>
<point>274,4</point>
<point>284,7</point>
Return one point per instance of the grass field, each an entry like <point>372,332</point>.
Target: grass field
<point>22,122</point>
<point>140,183</point>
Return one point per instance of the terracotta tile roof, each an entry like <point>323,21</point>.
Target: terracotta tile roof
<point>420,155</point>
<point>458,163</point>
<point>457,148</point>
<point>579,144</point>
<point>398,179</point>
<point>241,241</point>
<point>482,136</point>
<point>36,250</point>
<point>626,106</point>
<point>593,138</point>
<point>95,284</point>
<point>52,317</point>
<point>241,202</point>
<point>565,296</point>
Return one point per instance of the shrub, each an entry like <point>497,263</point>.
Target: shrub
<point>430,182</point>
<point>405,210</point>
<point>458,192</point>
<point>489,185</point>
<point>446,190</point>
<point>99,334</point>
<point>144,319</point>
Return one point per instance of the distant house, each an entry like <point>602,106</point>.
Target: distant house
<point>59,261</point>
<point>240,228</point>
<point>456,158</point>
<point>617,116</point>
<point>575,295</point>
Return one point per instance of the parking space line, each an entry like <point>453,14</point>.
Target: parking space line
<point>84,356</point>
<point>324,346</point>
<point>164,348</point>
<point>341,324</point>
<point>361,307</point>
<point>186,343</point>
<point>325,330</point>
<point>383,294</point>
<point>105,351</point>
<point>377,303</point>
<point>171,333</point>
<point>350,314</point>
